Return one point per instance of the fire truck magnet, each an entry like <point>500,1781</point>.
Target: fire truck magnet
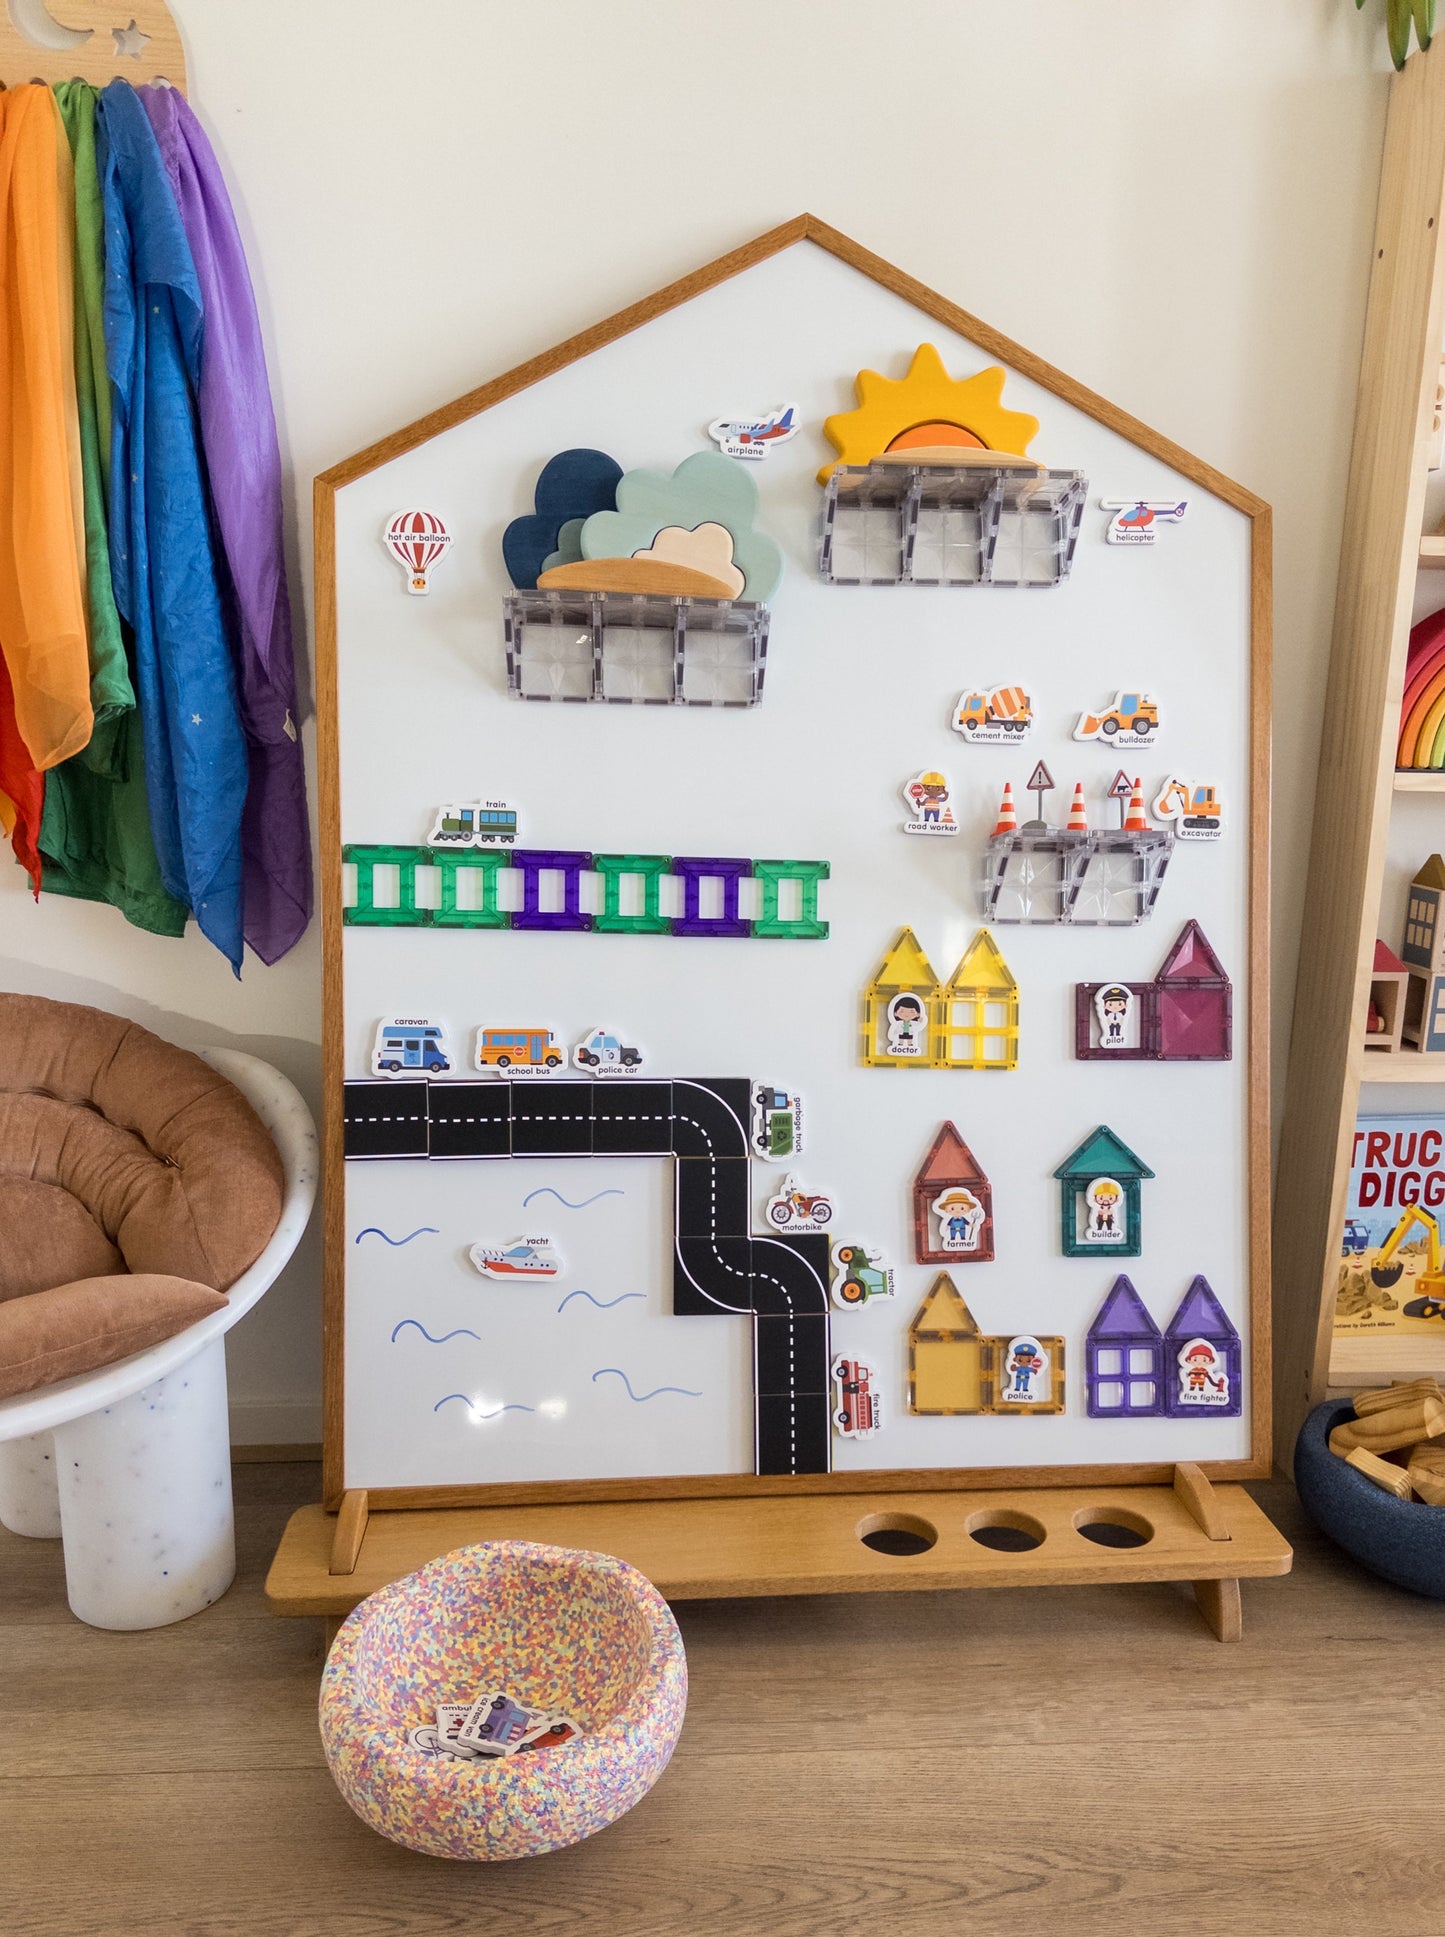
<point>856,1413</point>
<point>418,541</point>
<point>927,796</point>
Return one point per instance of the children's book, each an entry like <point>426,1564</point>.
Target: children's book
<point>1390,1266</point>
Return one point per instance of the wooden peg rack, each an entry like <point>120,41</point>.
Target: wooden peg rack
<point>1211,1536</point>
<point>108,40</point>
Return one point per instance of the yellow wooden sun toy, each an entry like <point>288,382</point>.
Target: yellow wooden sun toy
<point>928,417</point>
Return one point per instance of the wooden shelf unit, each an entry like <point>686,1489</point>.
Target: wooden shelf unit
<point>1399,1066</point>
<point>1361,1360</point>
<point>1381,554</point>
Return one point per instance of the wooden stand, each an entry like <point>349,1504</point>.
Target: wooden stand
<point>1212,1536</point>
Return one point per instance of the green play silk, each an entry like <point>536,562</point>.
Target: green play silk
<point>111,693</point>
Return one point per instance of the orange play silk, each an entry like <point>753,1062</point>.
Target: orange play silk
<point>42,601</point>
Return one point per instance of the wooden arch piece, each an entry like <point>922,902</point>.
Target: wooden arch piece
<point>90,40</point>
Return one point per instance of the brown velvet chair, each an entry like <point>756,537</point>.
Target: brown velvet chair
<point>144,1206</point>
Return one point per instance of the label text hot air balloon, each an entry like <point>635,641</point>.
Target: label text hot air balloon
<point>417,539</point>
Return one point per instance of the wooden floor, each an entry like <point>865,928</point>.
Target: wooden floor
<point>1080,1760</point>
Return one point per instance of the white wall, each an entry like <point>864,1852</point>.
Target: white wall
<point>1173,204</point>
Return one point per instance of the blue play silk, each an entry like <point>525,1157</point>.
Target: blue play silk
<point>243,464</point>
<point>163,558</point>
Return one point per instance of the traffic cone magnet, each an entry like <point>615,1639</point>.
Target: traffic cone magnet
<point>1135,822</point>
<point>1007,820</point>
<point>1078,817</point>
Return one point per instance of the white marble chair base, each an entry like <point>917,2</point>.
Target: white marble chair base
<point>140,1494</point>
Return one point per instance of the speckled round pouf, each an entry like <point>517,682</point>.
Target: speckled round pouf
<point>561,1629</point>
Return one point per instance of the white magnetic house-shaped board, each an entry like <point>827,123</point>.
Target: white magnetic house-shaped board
<point>656,1330</point>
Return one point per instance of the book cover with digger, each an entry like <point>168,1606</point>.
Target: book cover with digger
<point>1392,1270</point>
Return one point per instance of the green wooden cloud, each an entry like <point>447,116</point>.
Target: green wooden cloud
<point>569,545</point>
<point>706,488</point>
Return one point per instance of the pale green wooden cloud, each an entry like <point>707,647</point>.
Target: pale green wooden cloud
<point>569,545</point>
<point>706,488</point>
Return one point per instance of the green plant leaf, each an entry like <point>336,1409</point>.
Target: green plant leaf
<point>1424,14</point>
<point>1397,29</point>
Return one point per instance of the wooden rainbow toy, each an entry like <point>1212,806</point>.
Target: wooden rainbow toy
<point>1422,711</point>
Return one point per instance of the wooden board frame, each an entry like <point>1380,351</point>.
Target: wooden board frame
<point>809,229</point>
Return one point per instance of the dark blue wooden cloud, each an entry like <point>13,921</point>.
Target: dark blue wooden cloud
<point>573,484</point>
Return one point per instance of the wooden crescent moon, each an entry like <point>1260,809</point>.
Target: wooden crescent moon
<point>36,22</point>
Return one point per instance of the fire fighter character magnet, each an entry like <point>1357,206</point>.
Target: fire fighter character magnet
<point>1203,1375</point>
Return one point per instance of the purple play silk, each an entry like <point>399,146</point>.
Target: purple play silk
<point>238,430</point>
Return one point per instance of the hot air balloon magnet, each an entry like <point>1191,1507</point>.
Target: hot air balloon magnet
<point>417,540</point>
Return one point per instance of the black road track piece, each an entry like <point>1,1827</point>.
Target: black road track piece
<point>719,1265</point>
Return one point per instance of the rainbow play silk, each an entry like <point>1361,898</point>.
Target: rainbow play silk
<point>95,833</point>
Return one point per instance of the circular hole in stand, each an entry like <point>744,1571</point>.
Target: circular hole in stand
<point>897,1533</point>
<point>1005,1531</point>
<point>1113,1526</point>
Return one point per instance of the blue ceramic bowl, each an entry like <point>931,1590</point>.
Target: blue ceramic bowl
<point>1401,1540</point>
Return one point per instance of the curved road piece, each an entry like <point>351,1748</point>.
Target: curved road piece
<point>719,1265</point>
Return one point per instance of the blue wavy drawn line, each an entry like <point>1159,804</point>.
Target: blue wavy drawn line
<point>546,1190</point>
<point>476,1414</point>
<point>638,1398</point>
<point>375,1231</point>
<point>460,1332</point>
<point>602,1304</point>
